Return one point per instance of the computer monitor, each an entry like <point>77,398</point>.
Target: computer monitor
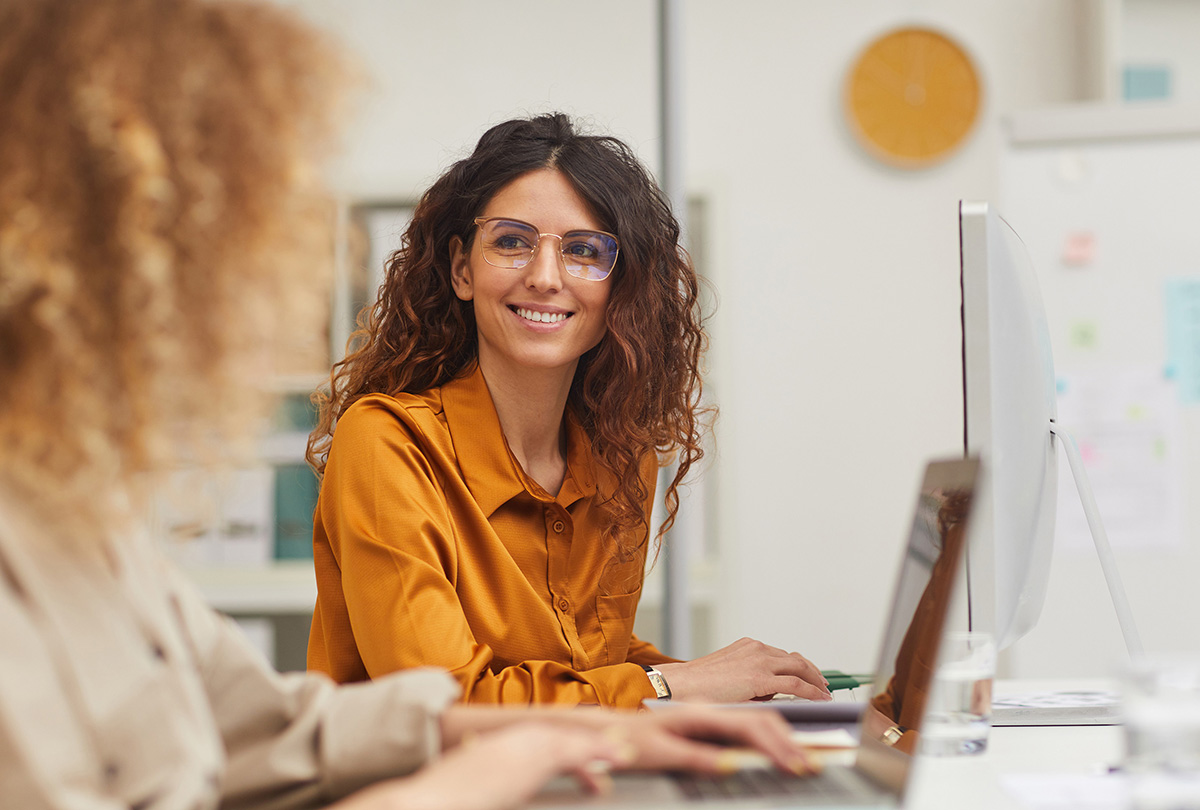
<point>1010,400</point>
<point>1010,403</point>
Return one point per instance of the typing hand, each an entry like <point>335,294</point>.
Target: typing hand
<point>500,769</point>
<point>696,738</point>
<point>745,670</point>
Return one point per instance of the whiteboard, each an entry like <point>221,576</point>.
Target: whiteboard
<point>1107,199</point>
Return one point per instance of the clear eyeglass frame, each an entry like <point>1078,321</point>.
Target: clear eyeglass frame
<point>572,262</point>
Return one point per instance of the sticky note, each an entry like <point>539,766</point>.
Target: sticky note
<point>1182,320</point>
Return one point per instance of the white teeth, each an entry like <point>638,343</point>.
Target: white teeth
<point>541,317</point>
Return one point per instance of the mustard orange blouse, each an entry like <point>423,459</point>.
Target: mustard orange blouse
<point>432,547</point>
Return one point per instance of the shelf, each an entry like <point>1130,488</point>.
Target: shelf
<point>284,587</point>
<point>296,383</point>
<point>290,586</point>
<point>283,448</point>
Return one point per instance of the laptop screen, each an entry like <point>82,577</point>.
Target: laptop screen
<point>929,573</point>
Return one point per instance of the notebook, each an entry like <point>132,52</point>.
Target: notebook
<point>929,570</point>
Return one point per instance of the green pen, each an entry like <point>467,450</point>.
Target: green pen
<point>840,680</point>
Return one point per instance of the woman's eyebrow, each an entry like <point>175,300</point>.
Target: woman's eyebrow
<point>574,229</point>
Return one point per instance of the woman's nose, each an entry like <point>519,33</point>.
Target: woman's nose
<point>545,270</point>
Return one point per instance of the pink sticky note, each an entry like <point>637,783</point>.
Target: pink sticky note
<point>1079,249</point>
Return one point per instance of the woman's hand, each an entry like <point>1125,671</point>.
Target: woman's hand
<point>676,737</point>
<point>745,670</point>
<point>501,769</point>
<point>697,738</point>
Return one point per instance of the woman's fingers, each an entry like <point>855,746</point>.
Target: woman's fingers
<point>744,670</point>
<point>791,685</point>
<point>665,750</point>
<point>799,670</point>
<point>769,733</point>
<point>782,662</point>
<point>504,768</point>
<point>811,673</point>
<point>594,777</point>
<point>793,663</point>
<point>762,731</point>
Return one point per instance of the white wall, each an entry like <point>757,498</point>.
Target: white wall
<point>443,72</point>
<point>836,343</point>
<point>837,352</point>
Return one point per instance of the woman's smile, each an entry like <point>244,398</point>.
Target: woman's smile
<point>539,316</point>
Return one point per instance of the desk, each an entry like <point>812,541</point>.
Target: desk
<point>963,782</point>
<point>941,783</point>
<point>945,783</point>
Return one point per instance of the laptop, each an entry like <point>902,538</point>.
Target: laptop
<point>887,727</point>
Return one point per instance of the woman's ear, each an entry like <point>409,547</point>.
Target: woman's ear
<point>460,270</point>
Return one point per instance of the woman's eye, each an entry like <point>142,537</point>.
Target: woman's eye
<point>510,242</point>
<point>581,250</point>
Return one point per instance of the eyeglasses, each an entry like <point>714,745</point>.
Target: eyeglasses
<point>511,243</point>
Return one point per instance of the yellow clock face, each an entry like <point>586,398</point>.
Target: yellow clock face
<point>912,97</point>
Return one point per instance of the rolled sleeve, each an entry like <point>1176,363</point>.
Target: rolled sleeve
<point>295,739</point>
<point>385,727</point>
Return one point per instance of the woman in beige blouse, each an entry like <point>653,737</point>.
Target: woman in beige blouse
<point>160,221</point>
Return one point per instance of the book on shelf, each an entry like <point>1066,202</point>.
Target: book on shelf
<point>248,516</point>
<point>295,502</point>
<point>216,519</point>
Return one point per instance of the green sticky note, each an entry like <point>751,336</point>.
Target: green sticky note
<point>1083,335</point>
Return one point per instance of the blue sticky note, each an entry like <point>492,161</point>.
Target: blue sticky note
<point>1146,82</point>
<point>1183,335</point>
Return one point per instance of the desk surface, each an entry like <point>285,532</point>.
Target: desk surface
<point>977,781</point>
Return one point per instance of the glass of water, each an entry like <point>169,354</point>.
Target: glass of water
<point>1160,704</point>
<point>959,713</point>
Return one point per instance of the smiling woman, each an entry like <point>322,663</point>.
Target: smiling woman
<point>486,495</point>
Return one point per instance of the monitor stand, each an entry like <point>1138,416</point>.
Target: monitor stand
<point>1077,707</point>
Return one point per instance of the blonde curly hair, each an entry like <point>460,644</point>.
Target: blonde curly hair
<point>161,216</point>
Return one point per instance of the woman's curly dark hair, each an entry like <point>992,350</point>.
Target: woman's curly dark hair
<point>636,392</point>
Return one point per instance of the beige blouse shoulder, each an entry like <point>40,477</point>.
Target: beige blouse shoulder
<point>120,687</point>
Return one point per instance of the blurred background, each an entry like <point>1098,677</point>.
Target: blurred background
<point>836,356</point>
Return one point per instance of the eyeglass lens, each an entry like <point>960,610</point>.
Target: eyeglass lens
<point>586,254</point>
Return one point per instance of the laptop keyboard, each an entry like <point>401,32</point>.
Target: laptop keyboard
<point>757,782</point>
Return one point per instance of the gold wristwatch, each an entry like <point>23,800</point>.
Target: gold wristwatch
<point>892,735</point>
<point>661,690</point>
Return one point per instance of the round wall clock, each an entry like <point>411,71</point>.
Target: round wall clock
<point>912,97</point>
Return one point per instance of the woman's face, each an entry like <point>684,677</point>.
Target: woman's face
<point>538,316</point>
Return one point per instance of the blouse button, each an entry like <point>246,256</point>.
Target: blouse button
<point>559,526</point>
<point>563,604</point>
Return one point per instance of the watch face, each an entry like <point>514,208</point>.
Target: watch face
<point>912,97</point>
<point>660,684</point>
